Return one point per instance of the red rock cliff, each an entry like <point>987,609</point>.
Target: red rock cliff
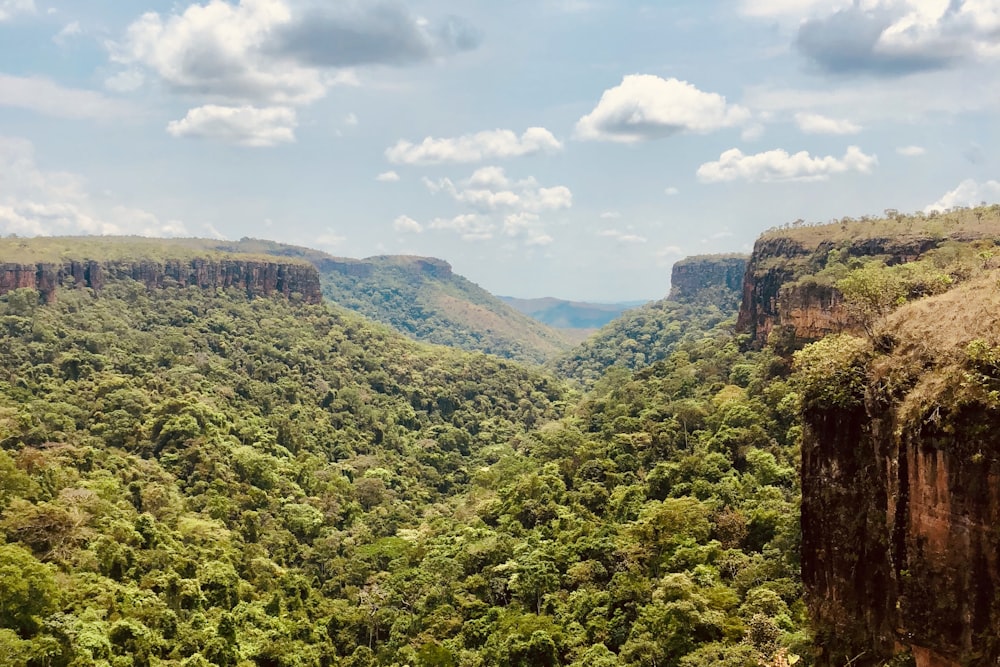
<point>901,495</point>
<point>257,277</point>
<point>774,298</point>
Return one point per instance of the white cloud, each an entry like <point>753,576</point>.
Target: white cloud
<point>610,215</point>
<point>899,37</point>
<point>489,189</point>
<point>243,126</point>
<point>487,145</point>
<point>622,236</point>
<point>9,8</point>
<point>387,177</point>
<point>671,191</point>
<point>69,30</point>
<point>470,226</point>
<point>814,123</point>
<point>911,151</point>
<point>778,165</point>
<point>646,107</point>
<point>217,49</point>
<point>36,202</point>
<point>351,119</point>
<point>497,201</point>
<point>406,224</point>
<point>967,193</point>
<point>49,98</point>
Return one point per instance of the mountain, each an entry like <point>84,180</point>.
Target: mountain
<point>425,300</point>
<point>562,314</point>
<point>705,291</point>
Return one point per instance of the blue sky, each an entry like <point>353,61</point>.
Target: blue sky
<point>573,148</point>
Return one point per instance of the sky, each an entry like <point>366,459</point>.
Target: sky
<point>568,148</point>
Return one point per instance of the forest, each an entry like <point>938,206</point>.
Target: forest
<point>196,477</point>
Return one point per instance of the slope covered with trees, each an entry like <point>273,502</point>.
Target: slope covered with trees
<point>424,299</point>
<point>705,292</point>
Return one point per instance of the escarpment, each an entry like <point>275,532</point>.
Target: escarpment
<point>901,493</point>
<point>715,277</point>
<point>256,277</point>
<point>784,289</point>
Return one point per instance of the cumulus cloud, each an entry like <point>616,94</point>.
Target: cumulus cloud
<point>899,37</point>
<point>489,189</point>
<point>370,33</point>
<point>671,191</point>
<point>516,207</point>
<point>37,202</point>
<point>487,145</point>
<point>967,193</point>
<point>263,52</point>
<point>49,98</point>
<point>646,107</point>
<point>814,123</point>
<point>406,224</point>
<point>8,8</point>
<point>911,151</point>
<point>387,177</point>
<point>779,165</point>
<point>243,126</point>
<point>470,226</point>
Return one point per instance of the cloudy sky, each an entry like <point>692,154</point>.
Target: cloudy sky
<point>573,148</point>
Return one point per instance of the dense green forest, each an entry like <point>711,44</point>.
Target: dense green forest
<point>194,477</point>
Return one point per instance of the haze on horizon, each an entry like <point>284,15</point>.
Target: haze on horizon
<point>568,148</point>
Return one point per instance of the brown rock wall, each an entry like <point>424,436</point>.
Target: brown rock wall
<point>256,277</point>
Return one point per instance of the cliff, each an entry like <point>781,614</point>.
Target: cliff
<point>901,491</point>
<point>256,277</point>
<point>780,290</point>
<point>708,276</point>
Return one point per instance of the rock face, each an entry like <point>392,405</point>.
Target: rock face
<point>901,498</point>
<point>258,278</point>
<point>693,277</point>
<point>773,298</point>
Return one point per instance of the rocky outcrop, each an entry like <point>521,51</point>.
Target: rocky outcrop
<point>256,277</point>
<point>901,495</point>
<point>774,297</point>
<point>696,277</point>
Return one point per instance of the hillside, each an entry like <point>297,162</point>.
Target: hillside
<point>424,299</point>
<point>705,292</point>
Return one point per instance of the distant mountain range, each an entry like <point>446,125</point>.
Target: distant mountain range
<point>562,314</point>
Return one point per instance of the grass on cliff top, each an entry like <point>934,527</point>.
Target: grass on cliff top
<point>57,249</point>
<point>964,224</point>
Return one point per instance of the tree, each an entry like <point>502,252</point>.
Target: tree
<point>27,590</point>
